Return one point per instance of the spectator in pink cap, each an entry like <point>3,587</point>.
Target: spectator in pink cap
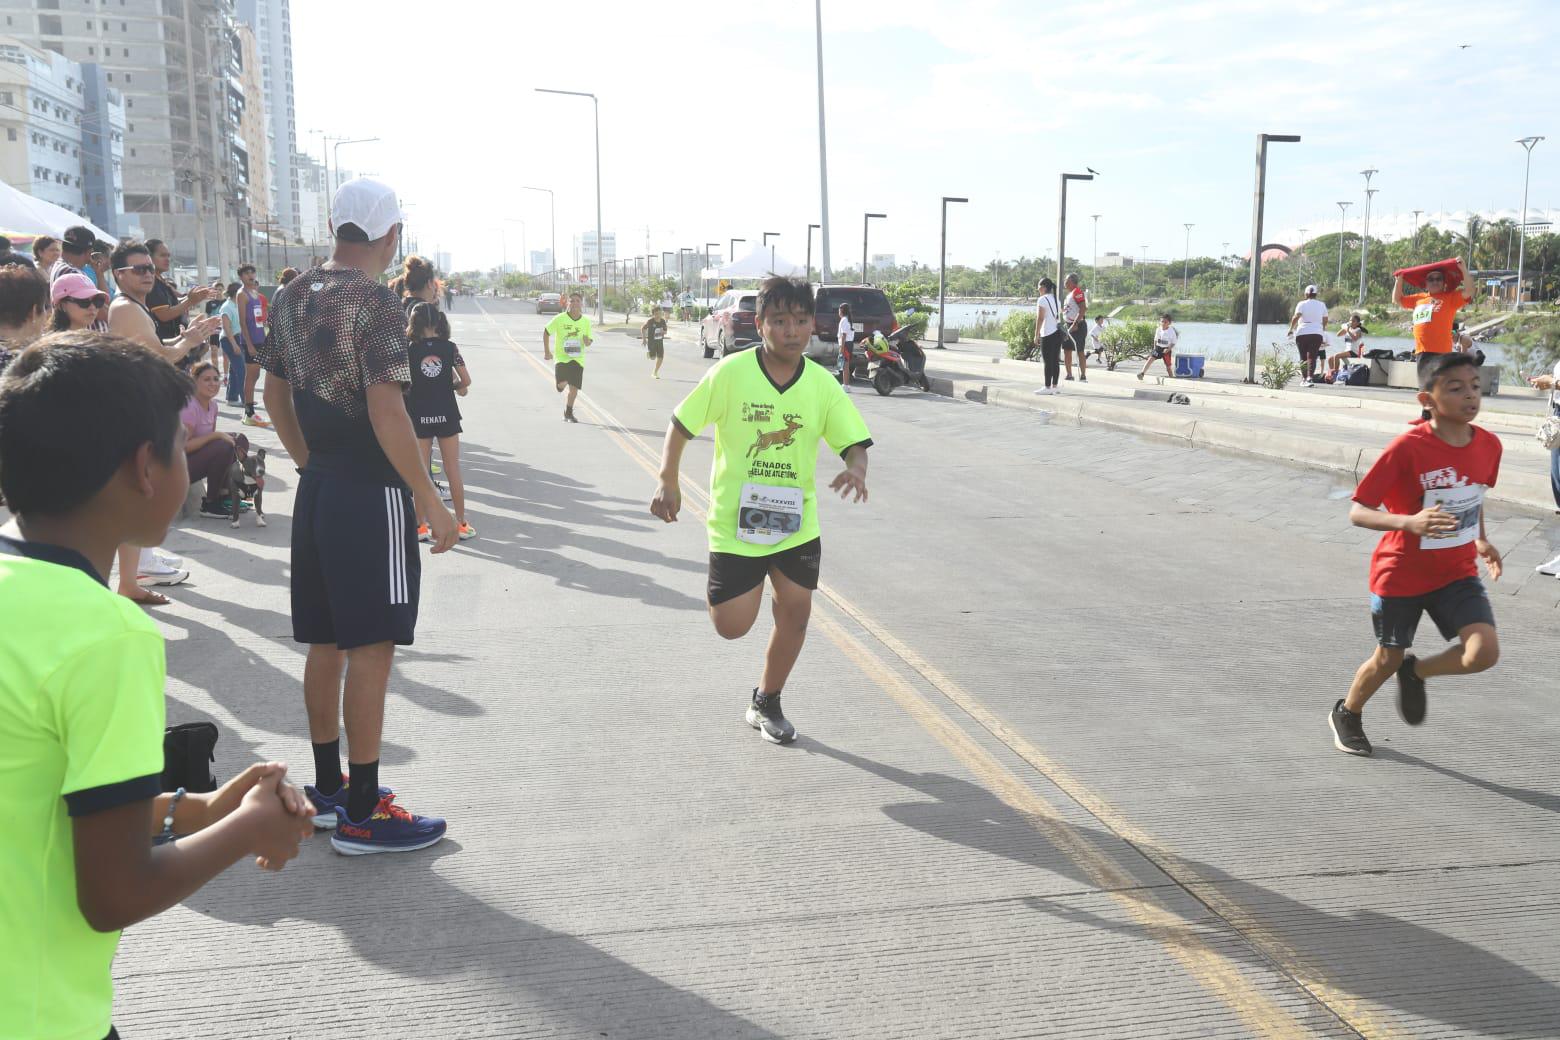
<point>77,302</point>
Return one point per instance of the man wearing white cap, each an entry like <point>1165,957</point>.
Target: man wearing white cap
<point>337,368</point>
<point>1308,326</point>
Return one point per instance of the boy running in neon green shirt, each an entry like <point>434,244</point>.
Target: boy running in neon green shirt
<point>571,331</point>
<point>770,407</point>
<point>81,696</point>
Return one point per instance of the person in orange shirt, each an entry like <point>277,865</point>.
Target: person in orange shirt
<point>1434,310</point>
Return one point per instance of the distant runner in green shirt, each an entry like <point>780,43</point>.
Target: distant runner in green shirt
<point>770,407</point>
<point>571,330</point>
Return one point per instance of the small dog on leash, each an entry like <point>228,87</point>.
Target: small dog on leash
<point>247,480</point>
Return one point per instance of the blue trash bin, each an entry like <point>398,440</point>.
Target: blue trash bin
<point>1189,366</point>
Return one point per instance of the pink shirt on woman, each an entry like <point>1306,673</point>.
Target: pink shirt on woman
<point>202,419</point>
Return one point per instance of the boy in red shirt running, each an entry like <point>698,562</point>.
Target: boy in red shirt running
<point>1431,481</point>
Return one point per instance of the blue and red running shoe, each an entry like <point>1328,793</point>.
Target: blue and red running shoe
<point>325,804</point>
<point>389,828</point>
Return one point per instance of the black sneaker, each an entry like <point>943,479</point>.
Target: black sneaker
<point>1411,691</point>
<point>1348,730</point>
<point>764,715</point>
<point>213,511</point>
<point>568,415</point>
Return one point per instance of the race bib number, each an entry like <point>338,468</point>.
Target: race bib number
<point>768,515</point>
<point>571,347</point>
<point>1464,503</point>
<point>1424,313</point>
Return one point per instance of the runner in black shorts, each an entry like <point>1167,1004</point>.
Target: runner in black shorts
<point>653,332</point>
<point>336,367</point>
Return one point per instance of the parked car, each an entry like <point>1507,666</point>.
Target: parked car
<point>549,303</point>
<point>870,312</point>
<point>731,324</point>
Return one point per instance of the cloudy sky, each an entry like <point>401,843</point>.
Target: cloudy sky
<point>709,117</point>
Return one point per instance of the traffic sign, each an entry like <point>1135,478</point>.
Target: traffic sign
<point>1492,281</point>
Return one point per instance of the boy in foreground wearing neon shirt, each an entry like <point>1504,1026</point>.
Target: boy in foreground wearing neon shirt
<point>1426,492</point>
<point>82,692</point>
<point>770,407</point>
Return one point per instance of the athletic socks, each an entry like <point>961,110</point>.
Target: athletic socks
<point>362,789</point>
<point>249,408</point>
<point>327,767</point>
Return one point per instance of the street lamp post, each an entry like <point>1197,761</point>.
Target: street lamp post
<point>1094,268</point>
<point>1061,224</point>
<point>682,282</point>
<point>1414,249</point>
<point>1186,261</point>
<point>707,247</point>
<point>1365,234</point>
<point>767,236</point>
<point>552,216</point>
<point>866,222</point>
<point>1343,217</point>
<point>823,152</point>
<point>1527,143</point>
<point>1258,198</point>
<point>810,229</point>
<point>336,151</point>
<point>942,269</point>
<point>601,248</point>
<point>1299,270</point>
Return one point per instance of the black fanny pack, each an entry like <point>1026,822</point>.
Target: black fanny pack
<point>189,749</point>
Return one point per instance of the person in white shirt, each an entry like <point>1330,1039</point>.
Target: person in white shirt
<point>1074,326</point>
<point>1165,339</point>
<point>1048,334</point>
<point>1308,326</point>
<point>1097,338</point>
<point>845,333</point>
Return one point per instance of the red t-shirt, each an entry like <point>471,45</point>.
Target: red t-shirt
<point>1416,470</point>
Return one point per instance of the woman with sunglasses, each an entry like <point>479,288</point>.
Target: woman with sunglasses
<point>77,303</point>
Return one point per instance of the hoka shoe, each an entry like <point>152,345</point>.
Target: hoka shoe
<point>389,828</point>
<point>325,804</point>
<point>467,532</point>
<point>764,715</point>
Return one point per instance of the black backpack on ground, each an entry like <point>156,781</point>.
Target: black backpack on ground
<point>1359,375</point>
<point>1380,353</point>
<point>188,751</point>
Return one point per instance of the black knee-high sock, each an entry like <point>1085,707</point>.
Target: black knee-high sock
<point>327,766</point>
<point>362,789</point>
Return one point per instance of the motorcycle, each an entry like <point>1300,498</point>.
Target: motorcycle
<point>894,361</point>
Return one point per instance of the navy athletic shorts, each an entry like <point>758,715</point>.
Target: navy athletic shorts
<point>355,565</point>
<point>1452,607</point>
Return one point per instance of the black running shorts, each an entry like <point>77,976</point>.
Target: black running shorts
<point>1452,607</point>
<point>656,348</point>
<point>732,575</point>
<point>1309,345</point>
<point>355,566</point>
<point>572,373</point>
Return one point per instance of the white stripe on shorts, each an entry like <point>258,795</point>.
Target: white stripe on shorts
<point>395,520</point>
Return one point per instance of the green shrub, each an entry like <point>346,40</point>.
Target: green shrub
<point>915,321</point>
<point>1127,339</point>
<point>981,330</point>
<point>1273,308</point>
<point>1018,332</point>
<point>1278,370</point>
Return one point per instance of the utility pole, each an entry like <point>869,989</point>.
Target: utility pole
<point>823,154</point>
<point>1186,262</point>
<point>1365,235</point>
<point>1527,143</point>
<point>1343,216</point>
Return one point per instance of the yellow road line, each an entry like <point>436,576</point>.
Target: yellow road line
<point>1213,970</point>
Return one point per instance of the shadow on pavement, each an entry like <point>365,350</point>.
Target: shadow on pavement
<point>1546,800</point>
<point>403,917</point>
<point>1413,969</point>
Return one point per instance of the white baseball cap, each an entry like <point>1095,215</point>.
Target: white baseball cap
<point>1310,290</point>
<point>367,204</point>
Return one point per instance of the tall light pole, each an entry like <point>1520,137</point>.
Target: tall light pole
<point>823,154</point>
<point>1365,234</point>
<point>707,247</point>
<point>866,222</point>
<point>1094,268</point>
<point>1299,271</point>
<point>552,216</point>
<point>767,236</point>
<point>336,152</point>
<point>1186,261</point>
<point>681,281</point>
<point>1343,216</point>
<point>810,229</point>
<point>1527,143</point>
<point>601,245</point>
<point>1259,196</point>
<point>734,242</point>
<point>1414,251</point>
<point>1061,224</point>
<point>942,269</point>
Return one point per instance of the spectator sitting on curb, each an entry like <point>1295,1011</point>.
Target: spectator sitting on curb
<point>1352,334</point>
<point>210,454</point>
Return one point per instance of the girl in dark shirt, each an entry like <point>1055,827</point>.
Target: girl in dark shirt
<point>438,376</point>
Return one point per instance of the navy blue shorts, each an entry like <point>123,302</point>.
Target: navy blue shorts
<point>355,565</point>
<point>1452,607</point>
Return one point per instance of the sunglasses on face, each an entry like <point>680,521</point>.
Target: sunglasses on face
<point>91,301</point>
<point>140,269</point>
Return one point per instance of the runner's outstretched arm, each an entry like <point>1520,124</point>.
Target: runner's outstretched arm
<point>854,476</point>
<point>668,496</point>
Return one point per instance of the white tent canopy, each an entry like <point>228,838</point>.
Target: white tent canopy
<point>759,263</point>
<point>22,214</point>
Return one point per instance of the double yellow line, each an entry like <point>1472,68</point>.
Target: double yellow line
<point>1230,980</point>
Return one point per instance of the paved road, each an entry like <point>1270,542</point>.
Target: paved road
<point>1064,769</point>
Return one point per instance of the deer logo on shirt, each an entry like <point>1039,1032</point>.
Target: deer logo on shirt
<point>781,438</point>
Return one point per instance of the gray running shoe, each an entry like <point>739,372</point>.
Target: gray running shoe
<point>1348,730</point>
<point>764,715</point>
